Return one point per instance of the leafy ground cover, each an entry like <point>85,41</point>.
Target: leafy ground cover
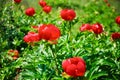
<point>67,40</point>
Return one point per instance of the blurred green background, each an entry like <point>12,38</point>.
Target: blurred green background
<point>75,3</point>
<point>64,3</point>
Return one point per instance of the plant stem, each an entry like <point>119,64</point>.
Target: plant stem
<point>55,58</point>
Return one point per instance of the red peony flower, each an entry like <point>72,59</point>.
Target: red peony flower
<point>49,32</point>
<point>31,37</point>
<point>42,3</point>
<point>47,9</point>
<point>17,1</point>
<point>97,28</point>
<point>13,53</point>
<point>117,20</point>
<point>68,14</point>
<point>30,11</point>
<point>85,27</point>
<point>115,35</point>
<point>74,66</point>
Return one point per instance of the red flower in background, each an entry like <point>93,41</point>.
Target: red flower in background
<point>117,19</point>
<point>49,32</point>
<point>47,9</point>
<point>74,66</point>
<point>108,4</point>
<point>97,28</point>
<point>31,37</point>
<point>68,14</point>
<point>17,1</point>
<point>106,1</point>
<point>42,3</point>
<point>85,27</point>
<point>13,53</point>
<point>115,35</point>
<point>30,11</point>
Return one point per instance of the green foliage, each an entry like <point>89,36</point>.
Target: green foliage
<point>43,60</point>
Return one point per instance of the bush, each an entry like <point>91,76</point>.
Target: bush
<point>42,60</point>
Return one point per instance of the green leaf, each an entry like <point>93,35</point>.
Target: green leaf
<point>98,74</point>
<point>91,72</point>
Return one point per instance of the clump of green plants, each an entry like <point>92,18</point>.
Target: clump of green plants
<point>59,42</point>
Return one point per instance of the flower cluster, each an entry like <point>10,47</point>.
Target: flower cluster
<point>48,32</point>
<point>46,8</point>
<point>13,53</point>
<point>74,66</point>
<point>31,11</point>
<point>96,28</point>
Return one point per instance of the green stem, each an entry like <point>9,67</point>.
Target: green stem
<point>69,30</point>
<point>70,25</point>
<point>55,58</point>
